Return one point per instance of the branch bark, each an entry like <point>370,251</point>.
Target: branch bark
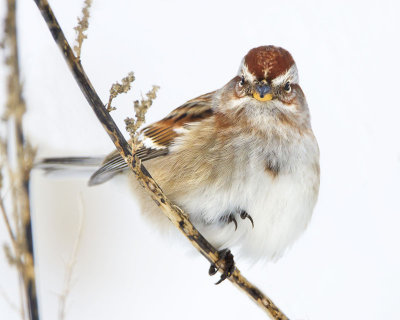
<point>174,213</point>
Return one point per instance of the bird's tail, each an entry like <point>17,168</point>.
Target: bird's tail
<point>69,166</point>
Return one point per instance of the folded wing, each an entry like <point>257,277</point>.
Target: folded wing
<point>158,137</point>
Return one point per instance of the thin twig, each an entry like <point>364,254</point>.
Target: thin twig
<point>16,257</point>
<point>175,214</point>
<point>13,306</point>
<point>7,222</point>
<point>69,270</point>
<point>19,179</point>
<point>3,163</point>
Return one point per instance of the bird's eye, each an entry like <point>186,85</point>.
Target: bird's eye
<point>242,81</point>
<point>287,87</point>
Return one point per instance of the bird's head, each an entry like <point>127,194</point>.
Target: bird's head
<point>268,73</point>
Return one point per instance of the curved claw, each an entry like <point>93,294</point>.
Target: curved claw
<point>244,215</point>
<point>231,218</point>
<point>223,277</point>
<point>213,270</point>
<point>229,265</point>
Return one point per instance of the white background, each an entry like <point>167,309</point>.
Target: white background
<point>345,266</point>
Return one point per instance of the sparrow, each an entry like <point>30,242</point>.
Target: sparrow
<point>241,161</point>
<point>243,152</point>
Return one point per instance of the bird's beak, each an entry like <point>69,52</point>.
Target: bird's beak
<point>262,92</point>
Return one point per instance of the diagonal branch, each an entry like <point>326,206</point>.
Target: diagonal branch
<point>175,214</point>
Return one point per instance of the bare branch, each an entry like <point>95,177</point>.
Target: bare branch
<point>83,25</point>
<point>175,214</point>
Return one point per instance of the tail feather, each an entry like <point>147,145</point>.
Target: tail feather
<point>71,161</point>
<point>100,169</point>
<point>112,165</point>
<point>64,166</point>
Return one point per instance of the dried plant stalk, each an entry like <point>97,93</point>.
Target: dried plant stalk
<point>140,108</point>
<point>17,160</point>
<point>118,88</point>
<point>174,213</point>
<point>13,306</point>
<point>70,266</point>
<point>83,25</point>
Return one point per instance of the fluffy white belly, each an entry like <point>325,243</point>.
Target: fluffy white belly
<point>242,177</point>
<point>280,206</point>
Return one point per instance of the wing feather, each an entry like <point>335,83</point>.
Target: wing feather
<point>158,136</point>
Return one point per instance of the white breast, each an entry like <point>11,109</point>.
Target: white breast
<point>237,179</point>
<point>281,206</point>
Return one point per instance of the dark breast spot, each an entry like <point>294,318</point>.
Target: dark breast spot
<point>272,168</point>
<point>272,164</point>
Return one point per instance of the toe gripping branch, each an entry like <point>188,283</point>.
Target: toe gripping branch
<point>226,259</point>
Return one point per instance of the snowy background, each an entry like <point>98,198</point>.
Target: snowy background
<point>345,266</point>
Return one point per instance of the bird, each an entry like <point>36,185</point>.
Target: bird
<point>241,161</point>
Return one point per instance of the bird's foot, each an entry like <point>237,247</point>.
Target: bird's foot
<point>244,215</point>
<point>226,259</point>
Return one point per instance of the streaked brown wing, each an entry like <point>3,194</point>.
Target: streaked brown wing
<point>162,133</point>
<point>158,136</point>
